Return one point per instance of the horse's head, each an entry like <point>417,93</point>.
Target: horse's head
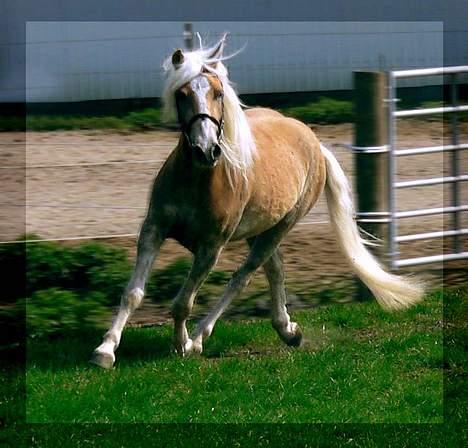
<point>199,94</point>
<point>200,109</point>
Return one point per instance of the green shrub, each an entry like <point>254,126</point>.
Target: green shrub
<point>12,124</point>
<point>145,119</point>
<point>11,324</point>
<point>57,122</point>
<point>55,311</point>
<point>48,264</point>
<point>100,268</point>
<point>85,268</point>
<point>324,111</point>
<point>165,283</point>
<point>12,267</point>
<point>218,278</point>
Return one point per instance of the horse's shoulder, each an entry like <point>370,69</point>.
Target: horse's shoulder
<point>272,117</point>
<point>262,112</point>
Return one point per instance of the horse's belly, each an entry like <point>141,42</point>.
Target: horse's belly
<point>255,221</point>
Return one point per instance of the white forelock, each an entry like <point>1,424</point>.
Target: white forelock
<point>238,144</point>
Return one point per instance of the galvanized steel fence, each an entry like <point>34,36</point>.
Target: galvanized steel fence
<point>386,218</point>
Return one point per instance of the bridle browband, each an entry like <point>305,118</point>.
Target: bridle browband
<point>185,127</point>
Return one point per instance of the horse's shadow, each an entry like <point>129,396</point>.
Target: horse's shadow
<point>75,350</point>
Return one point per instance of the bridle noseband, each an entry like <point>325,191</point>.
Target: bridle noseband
<point>185,127</point>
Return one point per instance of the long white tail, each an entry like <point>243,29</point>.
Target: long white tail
<point>391,291</point>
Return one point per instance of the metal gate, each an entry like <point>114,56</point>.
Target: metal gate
<point>455,179</point>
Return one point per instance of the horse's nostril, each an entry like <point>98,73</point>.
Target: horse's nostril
<point>206,157</point>
<point>216,152</point>
<point>199,153</point>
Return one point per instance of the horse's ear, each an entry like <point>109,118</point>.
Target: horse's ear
<point>177,58</point>
<point>217,52</point>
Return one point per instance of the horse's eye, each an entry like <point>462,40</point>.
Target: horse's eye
<point>218,94</point>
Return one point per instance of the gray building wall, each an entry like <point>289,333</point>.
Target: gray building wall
<point>77,61</point>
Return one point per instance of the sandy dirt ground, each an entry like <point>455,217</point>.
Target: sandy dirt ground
<point>94,183</point>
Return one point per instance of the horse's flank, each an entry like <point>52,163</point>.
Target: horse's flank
<point>286,177</point>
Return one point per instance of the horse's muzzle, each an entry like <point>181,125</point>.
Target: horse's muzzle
<point>208,157</point>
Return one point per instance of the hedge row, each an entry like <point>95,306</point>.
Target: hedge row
<point>324,111</point>
<point>138,120</point>
<point>72,288</point>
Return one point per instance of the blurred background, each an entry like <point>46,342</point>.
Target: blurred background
<point>101,61</point>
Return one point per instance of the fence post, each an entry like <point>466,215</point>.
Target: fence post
<point>188,36</point>
<point>371,159</point>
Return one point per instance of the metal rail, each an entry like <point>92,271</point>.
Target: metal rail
<point>428,235</point>
<point>430,111</point>
<point>454,179</point>
<point>431,259</point>
<point>429,149</point>
<point>429,71</point>
<point>430,211</point>
<point>431,181</point>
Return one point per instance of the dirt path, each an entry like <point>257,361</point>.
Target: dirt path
<point>101,198</point>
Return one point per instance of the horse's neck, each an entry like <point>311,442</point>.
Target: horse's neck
<point>186,168</point>
<point>199,180</point>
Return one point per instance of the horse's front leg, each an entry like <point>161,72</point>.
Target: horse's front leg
<point>204,260</point>
<point>149,243</point>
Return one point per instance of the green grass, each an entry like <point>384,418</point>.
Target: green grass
<point>138,120</point>
<point>324,111</point>
<point>359,365</point>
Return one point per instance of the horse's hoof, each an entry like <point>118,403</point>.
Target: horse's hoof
<point>187,347</point>
<point>296,339</point>
<point>197,346</point>
<point>104,360</point>
<point>190,347</point>
<point>183,348</point>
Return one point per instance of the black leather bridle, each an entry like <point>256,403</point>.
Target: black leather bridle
<point>185,127</point>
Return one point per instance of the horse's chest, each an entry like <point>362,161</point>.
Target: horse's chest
<point>193,224</point>
<point>257,218</point>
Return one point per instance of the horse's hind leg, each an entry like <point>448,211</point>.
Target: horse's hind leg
<point>262,249</point>
<point>149,243</point>
<point>288,331</point>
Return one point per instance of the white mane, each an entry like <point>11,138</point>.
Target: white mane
<point>238,144</point>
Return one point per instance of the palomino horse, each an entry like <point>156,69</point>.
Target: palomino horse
<point>235,175</point>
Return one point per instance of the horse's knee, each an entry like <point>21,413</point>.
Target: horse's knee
<point>180,309</point>
<point>241,278</point>
<point>133,298</point>
<point>274,270</point>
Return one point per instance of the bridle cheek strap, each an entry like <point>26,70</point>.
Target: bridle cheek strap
<point>219,124</point>
<point>185,127</point>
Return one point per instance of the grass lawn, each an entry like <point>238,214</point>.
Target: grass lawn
<point>358,365</point>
